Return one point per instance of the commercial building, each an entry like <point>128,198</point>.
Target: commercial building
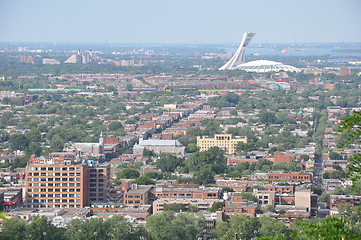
<point>224,141</point>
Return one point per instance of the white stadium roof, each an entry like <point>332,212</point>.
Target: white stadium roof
<point>262,66</point>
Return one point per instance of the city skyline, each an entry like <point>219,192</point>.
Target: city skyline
<point>186,21</point>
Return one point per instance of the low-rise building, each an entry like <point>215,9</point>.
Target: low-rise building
<point>159,146</point>
<point>224,141</point>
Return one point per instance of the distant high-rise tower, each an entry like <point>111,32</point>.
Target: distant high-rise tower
<point>238,57</point>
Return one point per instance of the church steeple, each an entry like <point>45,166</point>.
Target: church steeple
<point>101,139</point>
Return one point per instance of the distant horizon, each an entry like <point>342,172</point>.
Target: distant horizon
<point>173,43</point>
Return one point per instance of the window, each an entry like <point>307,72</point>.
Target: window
<point>57,174</point>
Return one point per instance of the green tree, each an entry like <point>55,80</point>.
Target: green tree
<point>168,226</point>
<point>115,126</point>
<point>249,197</point>
<point>13,229</point>
<point>56,144</point>
<point>267,117</point>
<point>214,157</point>
<point>335,156</point>
<point>128,173</point>
<point>154,175</point>
<point>92,229</point>
<point>167,162</point>
<point>18,142</point>
<point>270,227</point>
<point>239,227</point>
<point>204,175</point>
<point>41,228</point>
<point>351,127</point>
<point>332,228</point>
<point>217,206</point>
<point>144,180</point>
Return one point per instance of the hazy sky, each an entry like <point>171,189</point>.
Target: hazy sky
<point>180,21</point>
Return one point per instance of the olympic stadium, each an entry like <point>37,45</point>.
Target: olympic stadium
<point>258,66</point>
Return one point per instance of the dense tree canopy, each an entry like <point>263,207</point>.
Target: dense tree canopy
<point>168,226</point>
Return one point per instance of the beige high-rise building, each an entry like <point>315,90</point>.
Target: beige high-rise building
<point>65,184</point>
<point>56,185</point>
<point>224,141</point>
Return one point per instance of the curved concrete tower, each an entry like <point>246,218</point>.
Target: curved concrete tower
<point>238,57</point>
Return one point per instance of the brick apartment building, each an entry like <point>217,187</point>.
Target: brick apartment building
<point>65,185</point>
<point>290,176</point>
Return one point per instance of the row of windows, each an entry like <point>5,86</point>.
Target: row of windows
<point>131,196</point>
<point>54,200</point>
<point>53,184</point>
<point>96,199</point>
<point>53,168</point>
<point>54,195</point>
<point>56,206</point>
<point>94,194</point>
<point>131,201</point>
<point>54,190</point>
<point>54,174</point>
<point>53,179</point>
<point>289,177</point>
<point>97,180</point>
<point>96,185</point>
<point>96,190</point>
